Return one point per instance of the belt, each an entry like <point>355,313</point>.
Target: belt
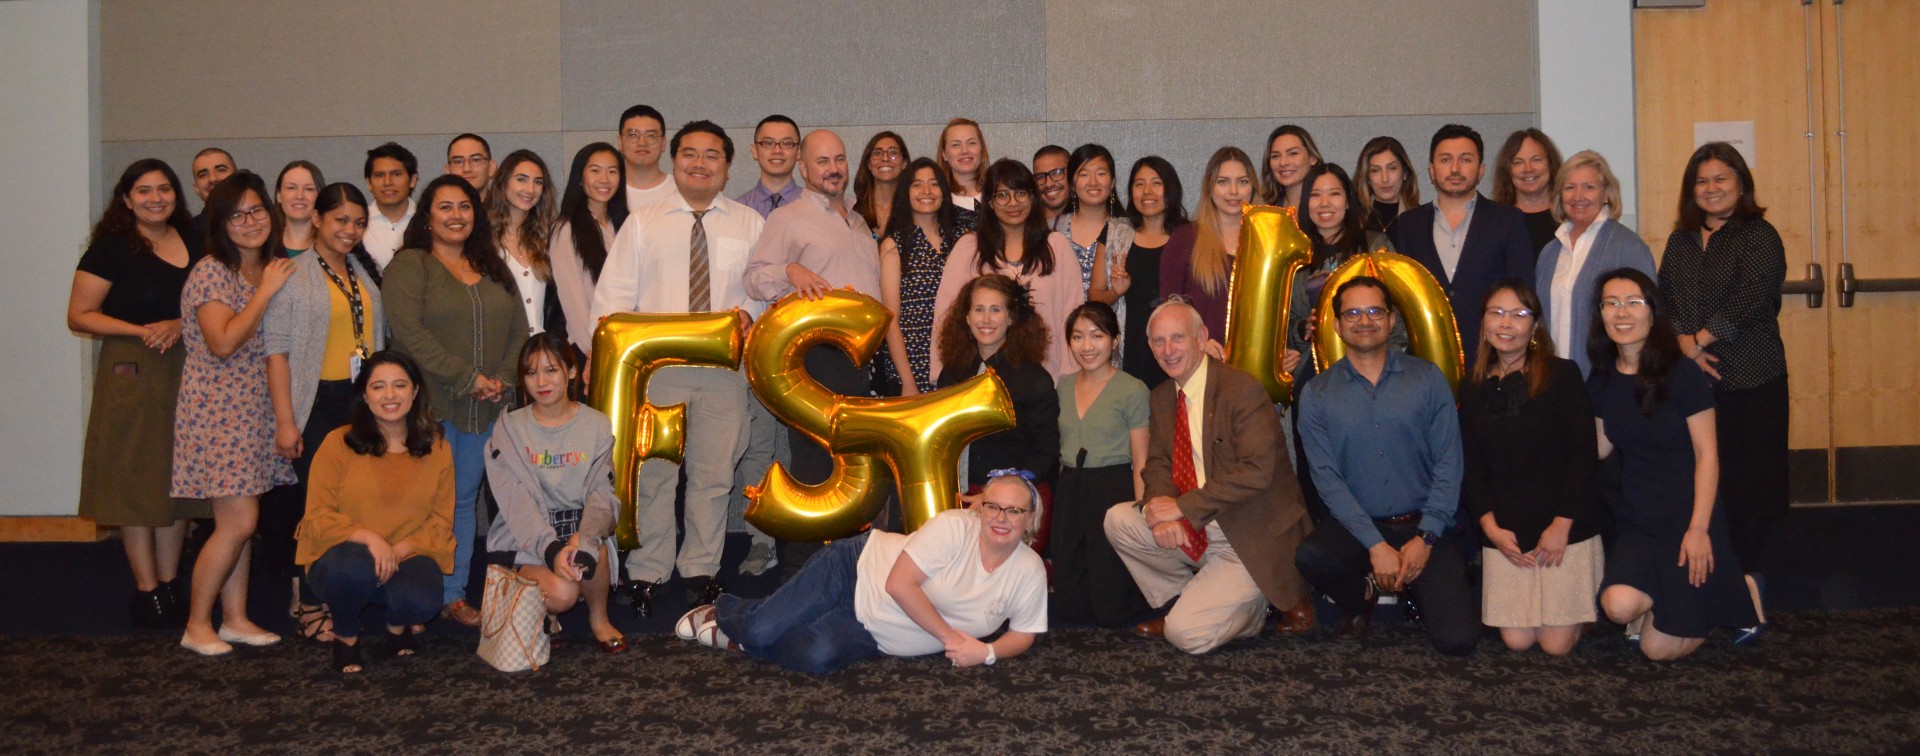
<point>1405,519</point>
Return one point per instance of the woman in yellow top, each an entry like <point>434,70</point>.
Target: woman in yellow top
<point>379,522</point>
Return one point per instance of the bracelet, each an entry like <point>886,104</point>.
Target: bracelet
<point>991,656</point>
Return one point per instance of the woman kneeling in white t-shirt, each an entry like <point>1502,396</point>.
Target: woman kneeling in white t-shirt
<point>950,583</point>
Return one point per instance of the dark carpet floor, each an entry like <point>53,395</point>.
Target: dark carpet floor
<point>1838,673</point>
<point>1823,683</point>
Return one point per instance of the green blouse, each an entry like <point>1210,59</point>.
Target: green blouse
<point>455,332</point>
<point>1104,432</point>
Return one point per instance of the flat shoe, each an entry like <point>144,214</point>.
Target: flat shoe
<point>262,638</point>
<point>615,646</point>
<point>462,612</point>
<point>216,648</point>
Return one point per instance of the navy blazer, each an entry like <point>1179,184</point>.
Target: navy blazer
<point>1497,247</point>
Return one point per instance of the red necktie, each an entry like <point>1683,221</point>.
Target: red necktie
<point>1184,478</point>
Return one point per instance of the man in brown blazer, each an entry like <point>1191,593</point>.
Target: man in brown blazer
<point>1223,513</point>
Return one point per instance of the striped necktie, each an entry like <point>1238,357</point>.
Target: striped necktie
<point>699,284</point>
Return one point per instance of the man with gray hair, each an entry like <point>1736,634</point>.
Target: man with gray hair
<point>1223,513</point>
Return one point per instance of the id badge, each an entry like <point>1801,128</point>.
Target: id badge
<point>354,362</point>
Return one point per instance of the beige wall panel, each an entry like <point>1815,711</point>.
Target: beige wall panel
<point>1681,79</point>
<point>1876,343</point>
<point>336,68</point>
<point>821,62</point>
<point>1135,59</point>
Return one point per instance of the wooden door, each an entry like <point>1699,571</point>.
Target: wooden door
<point>1872,73</point>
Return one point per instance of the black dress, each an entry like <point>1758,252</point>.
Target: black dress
<point>1143,269</point>
<point>920,268</point>
<point>1530,459</point>
<point>1034,441</point>
<point>1540,229</point>
<point>1656,505</point>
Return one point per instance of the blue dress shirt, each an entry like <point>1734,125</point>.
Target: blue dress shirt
<point>1384,450</point>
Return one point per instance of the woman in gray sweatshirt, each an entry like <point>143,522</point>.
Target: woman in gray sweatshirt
<point>550,465</point>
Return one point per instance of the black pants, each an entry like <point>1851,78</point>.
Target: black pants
<point>812,463</point>
<point>1090,583</point>
<point>282,508</point>
<point>1335,563</point>
<point>1751,425</point>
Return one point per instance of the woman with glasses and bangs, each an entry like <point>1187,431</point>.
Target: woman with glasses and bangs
<point>1013,240</point>
<point>223,424</point>
<point>953,581</point>
<point>1529,480</point>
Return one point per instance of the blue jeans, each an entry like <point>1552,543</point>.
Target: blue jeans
<point>469,471</point>
<point>808,624</point>
<point>343,578</point>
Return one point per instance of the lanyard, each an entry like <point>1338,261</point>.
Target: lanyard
<point>353,302</point>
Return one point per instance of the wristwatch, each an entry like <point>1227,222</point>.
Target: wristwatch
<point>991,656</point>
<point>1430,537</point>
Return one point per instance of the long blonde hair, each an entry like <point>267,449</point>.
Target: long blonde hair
<point>1211,266</point>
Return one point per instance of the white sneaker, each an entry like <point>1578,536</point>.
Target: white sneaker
<point>689,625</point>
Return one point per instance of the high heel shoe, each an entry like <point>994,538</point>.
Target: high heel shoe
<point>216,648</point>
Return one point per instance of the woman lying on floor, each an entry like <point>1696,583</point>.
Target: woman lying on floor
<point>950,583</point>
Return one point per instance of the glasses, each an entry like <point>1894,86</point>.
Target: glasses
<point>1634,304</point>
<point>1015,197</point>
<point>241,217</point>
<point>1502,313</point>
<point>1057,174</point>
<point>643,137</point>
<point>779,144</point>
<point>461,162</point>
<point>1352,315</point>
<point>885,153</point>
<point>1007,512</point>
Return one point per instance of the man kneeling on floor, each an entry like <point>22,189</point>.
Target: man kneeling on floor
<point>1223,514</point>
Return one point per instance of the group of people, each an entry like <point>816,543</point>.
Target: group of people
<point>336,381</point>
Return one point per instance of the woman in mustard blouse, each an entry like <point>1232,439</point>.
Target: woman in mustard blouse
<point>379,522</point>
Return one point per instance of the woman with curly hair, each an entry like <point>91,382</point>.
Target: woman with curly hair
<point>993,325</point>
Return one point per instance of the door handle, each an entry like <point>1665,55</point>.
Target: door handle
<point>1849,284</point>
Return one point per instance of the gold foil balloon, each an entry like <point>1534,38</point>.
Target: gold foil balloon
<point>847,501</point>
<point>918,437</point>
<point>1431,330</point>
<point>627,349</point>
<point>1272,252</point>
<point>921,437</point>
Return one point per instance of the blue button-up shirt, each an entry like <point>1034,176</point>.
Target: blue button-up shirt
<point>1384,450</point>
<point>762,200</point>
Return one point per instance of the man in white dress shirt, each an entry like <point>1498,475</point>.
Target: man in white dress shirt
<point>686,254</point>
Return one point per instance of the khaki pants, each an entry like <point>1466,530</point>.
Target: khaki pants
<point>1218,600</point>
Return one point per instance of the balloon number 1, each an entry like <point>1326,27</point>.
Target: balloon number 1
<point>1272,252</point>
<point>918,438</point>
<point>627,349</point>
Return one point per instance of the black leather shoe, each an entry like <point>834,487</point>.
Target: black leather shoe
<point>1411,610</point>
<point>703,590</point>
<point>639,595</point>
<point>1354,626</point>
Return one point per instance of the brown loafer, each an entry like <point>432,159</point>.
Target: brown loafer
<point>1153,628</point>
<point>1296,621</point>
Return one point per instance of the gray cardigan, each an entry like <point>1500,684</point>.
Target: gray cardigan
<point>297,324</point>
<point>1615,246</point>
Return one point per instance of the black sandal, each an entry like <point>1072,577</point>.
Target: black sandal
<point>401,644</point>
<point>314,622</point>
<point>345,656</point>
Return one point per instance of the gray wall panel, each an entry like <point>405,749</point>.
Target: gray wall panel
<point>1135,59</point>
<point>239,69</point>
<point>837,61</point>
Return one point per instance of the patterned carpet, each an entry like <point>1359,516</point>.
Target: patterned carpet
<point>1842,682</point>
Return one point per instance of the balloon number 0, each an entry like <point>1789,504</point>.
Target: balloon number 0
<point>919,439</point>
<point>1273,250</point>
